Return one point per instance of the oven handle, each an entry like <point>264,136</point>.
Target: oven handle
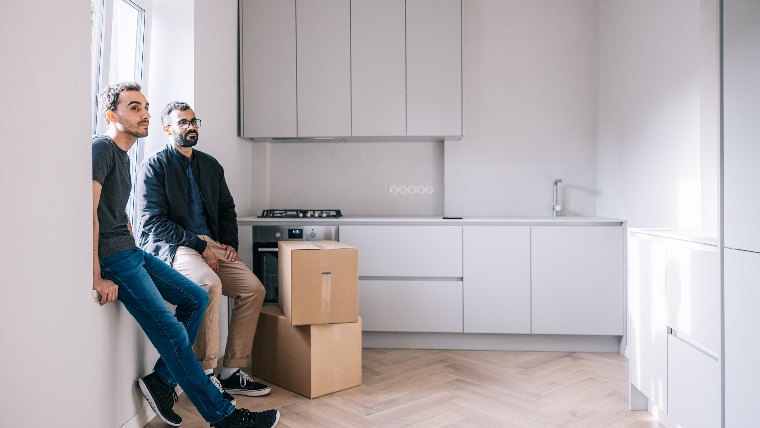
<point>271,250</point>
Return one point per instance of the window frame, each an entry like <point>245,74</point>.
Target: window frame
<point>103,34</point>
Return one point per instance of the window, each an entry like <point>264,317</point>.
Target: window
<point>120,30</point>
<point>120,34</point>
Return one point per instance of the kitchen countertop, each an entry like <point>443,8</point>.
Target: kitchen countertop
<point>699,236</point>
<point>432,221</point>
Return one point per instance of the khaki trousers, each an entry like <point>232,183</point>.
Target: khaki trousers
<point>236,281</point>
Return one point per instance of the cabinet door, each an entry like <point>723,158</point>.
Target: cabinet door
<point>741,318</point>
<point>647,333</point>
<point>693,293</point>
<point>324,68</point>
<point>496,271</point>
<point>378,68</point>
<point>577,280</point>
<point>693,387</point>
<point>434,67</point>
<point>741,134</point>
<point>413,306</point>
<point>268,68</point>
<point>406,251</point>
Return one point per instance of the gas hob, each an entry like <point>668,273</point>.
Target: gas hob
<point>291,213</point>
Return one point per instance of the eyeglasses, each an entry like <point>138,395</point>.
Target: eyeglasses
<point>184,123</point>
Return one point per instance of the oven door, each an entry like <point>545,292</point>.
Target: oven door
<point>265,268</point>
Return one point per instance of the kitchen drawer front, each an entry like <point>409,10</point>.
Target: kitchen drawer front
<point>693,292</point>
<point>411,306</point>
<point>406,251</point>
<point>693,386</point>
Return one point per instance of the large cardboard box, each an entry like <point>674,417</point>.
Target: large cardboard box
<point>318,282</point>
<point>311,360</point>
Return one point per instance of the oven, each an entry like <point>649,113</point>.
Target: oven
<point>265,260</point>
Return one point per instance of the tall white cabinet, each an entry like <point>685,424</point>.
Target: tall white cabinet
<point>741,148</point>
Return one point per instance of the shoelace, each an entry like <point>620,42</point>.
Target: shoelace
<point>244,378</point>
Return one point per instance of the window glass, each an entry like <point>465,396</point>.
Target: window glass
<point>126,42</point>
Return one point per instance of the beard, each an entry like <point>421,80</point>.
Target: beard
<point>136,130</point>
<point>187,139</point>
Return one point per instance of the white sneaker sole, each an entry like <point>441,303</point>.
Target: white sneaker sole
<point>249,392</point>
<point>146,393</point>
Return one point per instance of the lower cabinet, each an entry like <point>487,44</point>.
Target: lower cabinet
<point>741,317</point>
<point>519,279</point>
<point>674,331</point>
<point>577,280</point>
<point>411,305</point>
<point>496,267</point>
<point>693,386</point>
<point>647,330</point>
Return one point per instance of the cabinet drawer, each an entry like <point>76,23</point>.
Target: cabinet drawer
<point>693,292</point>
<point>413,306</point>
<point>406,251</point>
<point>693,386</point>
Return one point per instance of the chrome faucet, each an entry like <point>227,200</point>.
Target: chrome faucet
<point>556,207</point>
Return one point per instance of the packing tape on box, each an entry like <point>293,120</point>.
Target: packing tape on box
<point>324,311</point>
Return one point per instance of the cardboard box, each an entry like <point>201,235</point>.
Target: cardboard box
<point>310,360</point>
<point>318,282</point>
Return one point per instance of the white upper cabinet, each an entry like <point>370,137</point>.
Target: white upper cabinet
<point>324,67</point>
<point>268,68</point>
<point>378,67</point>
<point>741,134</point>
<point>389,69</point>
<point>434,67</point>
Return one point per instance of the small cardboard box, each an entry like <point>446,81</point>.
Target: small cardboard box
<point>311,360</point>
<point>318,282</point>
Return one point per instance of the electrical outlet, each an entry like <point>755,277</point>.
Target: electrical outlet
<point>410,189</point>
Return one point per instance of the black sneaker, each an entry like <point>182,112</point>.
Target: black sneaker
<point>241,383</point>
<point>161,398</point>
<point>242,418</point>
<point>218,385</point>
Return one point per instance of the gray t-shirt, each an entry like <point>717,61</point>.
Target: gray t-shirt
<point>110,167</point>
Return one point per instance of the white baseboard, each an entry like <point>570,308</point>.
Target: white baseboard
<point>141,418</point>
<point>145,415</point>
<point>500,342</point>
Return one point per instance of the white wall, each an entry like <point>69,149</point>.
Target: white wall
<point>172,60</point>
<point>529,109</point>
<point>66,360</point>
<point>657,112</point>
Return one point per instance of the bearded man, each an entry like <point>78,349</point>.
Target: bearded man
<point>186,217</point>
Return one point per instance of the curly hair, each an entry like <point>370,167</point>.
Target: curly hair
<point>174,105</point>
<point>109,96</point>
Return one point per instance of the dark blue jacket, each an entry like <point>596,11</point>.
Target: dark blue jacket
<point>161,203</point>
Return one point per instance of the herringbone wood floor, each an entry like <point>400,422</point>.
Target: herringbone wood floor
<point>431,388</point>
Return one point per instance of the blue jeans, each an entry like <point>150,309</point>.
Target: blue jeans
<point>144,283</point>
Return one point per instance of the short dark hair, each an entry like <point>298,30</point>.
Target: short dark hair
<point>174,105</point>
<point>109,96</point>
